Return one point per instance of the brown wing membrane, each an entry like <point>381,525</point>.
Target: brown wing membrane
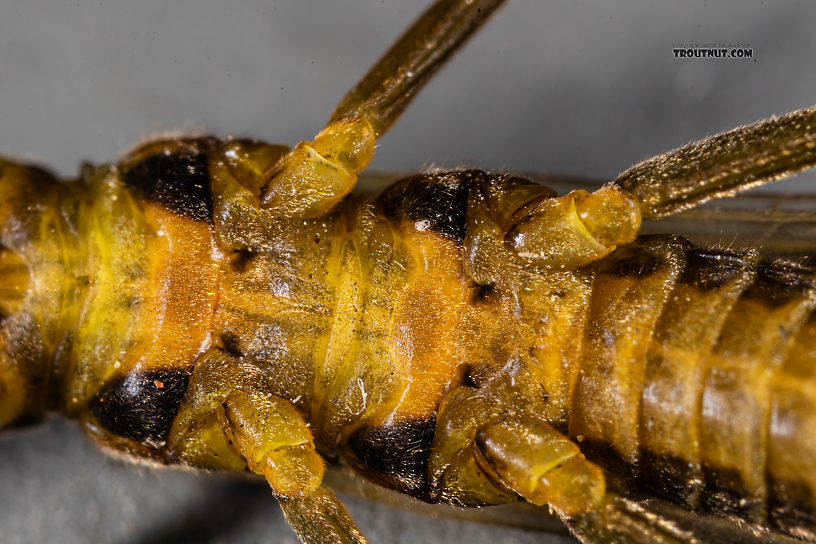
<point>723,164</point>
<point>777,225</point>
<point>623,520</point>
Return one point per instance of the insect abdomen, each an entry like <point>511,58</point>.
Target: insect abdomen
<point>695,378</point>
<point>39,282</point>
<point>641,355</point>
<point>152,268</point>
<point>111,285</point>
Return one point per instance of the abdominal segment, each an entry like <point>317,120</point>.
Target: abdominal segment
<point>412,340</point>
<point>687,371</point>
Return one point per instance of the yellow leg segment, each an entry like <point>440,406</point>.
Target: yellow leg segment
<point>573,230</point>
<point>276,442</point>
<point>271,435</point>
<point>485,454</point>
<point>541,465</point>
<point>315,176</point>
<point>515,226</point>
<point>231,420</point>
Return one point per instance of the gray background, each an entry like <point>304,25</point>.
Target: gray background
<point>579,88</point>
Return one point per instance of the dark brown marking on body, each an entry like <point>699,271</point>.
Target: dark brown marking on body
<point>711,269</point>
<point>483,294</point>
<point>670,477</point>
<point>725,493</point>
<point>470,378</point>
<point>780,282</point>
<point>639,264</point>
<point>230,342</point>
<point>241,260</point>
<point>396,455</point>
<point>436,202</point>
<point>705,489</point>
<point>141,406</point>
<point>644,257</point>
<point>791,506</point>
<point>606,455</point>
<point>179,181</point>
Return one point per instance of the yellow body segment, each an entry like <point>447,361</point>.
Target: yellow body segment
<point>213,333</point>
<point>152,283</point>
<point>463,337</point>
<point>424,337</point>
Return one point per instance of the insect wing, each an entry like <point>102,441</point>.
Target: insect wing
<point>655,521</point>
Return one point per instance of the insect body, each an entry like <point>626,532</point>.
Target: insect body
<point>227,304</point>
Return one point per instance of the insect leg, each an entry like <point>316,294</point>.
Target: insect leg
<point>578,228</point>
<point>321,518</point>
<point>484,453</point>
<point>541,465</point>
<point>723,164</point>
<point>220,426</point>
<point>390,85</point>
<point>314,176</point>
<point>276,442</point>
<point>653,520</point>
<point>513,224</point>
<point>270,434</point>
